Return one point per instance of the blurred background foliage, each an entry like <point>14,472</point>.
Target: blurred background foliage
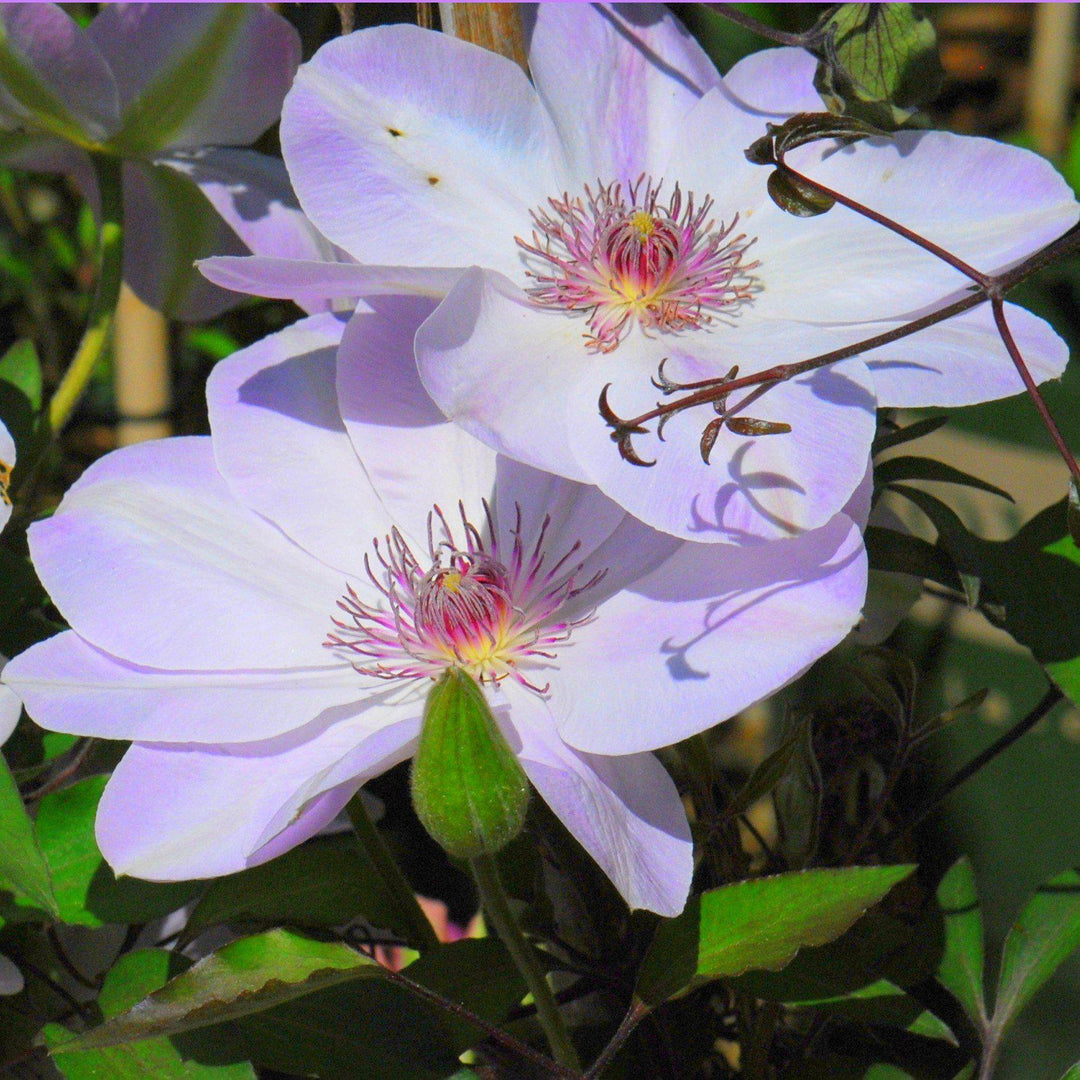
<point>1016,819</point>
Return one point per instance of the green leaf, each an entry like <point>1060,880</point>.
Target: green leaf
<point>766,776</point>
<point>758,924</point>
<point>325,882</point>
<point>246,976</point>
<point>797,798</point>
<point>20,368</point>
<point>468,788</point>
<point>902,553</point>
<point>133,977</point>
<point>87,891</point>
<point>961,967</point>
<point>22,869</point>
<point>1072,1073</point>
<point>1045,935</point>
<point>879,62</point>
<point>921,468</point>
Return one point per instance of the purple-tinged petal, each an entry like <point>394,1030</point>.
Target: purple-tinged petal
<point>764,486</point>
<point>54,79</point>
<point>45,153</point>
<point>618,113</point>
<point>170,224</point>
<point>859,505</point>
<point>72,687</point>
<point>190,74</point>
<point>151,558</point>
<point>11,978</point>
<point>963,360</point>
<point>414,458</point>
<point>408,147</point>
<point>708,633</point>
<point>315,285</point>
<point>625,811</point>
<point>173,812</point>
<point>502,368</point>
<point>281,446</point>
<point>10,707</point>
<point>774,84</point>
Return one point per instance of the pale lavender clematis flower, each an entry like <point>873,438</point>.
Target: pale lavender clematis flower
<point>261,612</point>
<point>153,84</point>
<point>611,220</point>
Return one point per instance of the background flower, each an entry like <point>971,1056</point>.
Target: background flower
<point>150,83</point>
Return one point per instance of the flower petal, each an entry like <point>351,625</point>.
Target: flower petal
<point>10,707</point>
<point>617,114</point>
<point>501,367</point>
<point>152,559</point>
<point>625,811</point>
<point>314,285</point>
<point>172,812</point>
<point>963,360</point>
<point>763,486</point>
<point>708,633</point>
<point>280,443</point>
<point>408,147</point>
<point>413,457</point>
<point>773,84</point>
<point>72,687</point>
<point>7,464</point>
<point>55,78</point>
<point>190,74</point>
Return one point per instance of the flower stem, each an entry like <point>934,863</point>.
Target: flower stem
<point>420,932</point>
<point>781,37</point>
<point>497,907</point>
<point>1052,696</point>
<point>107,169</point>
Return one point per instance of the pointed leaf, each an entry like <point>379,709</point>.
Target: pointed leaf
<point>961,967</point>
<point>20,368</point>
<point>135,975</point>
<point>1045,935</point>
<point>22,869</point>
<point>758,924</point>
<point>918,430</point>
<point>246,976</point>
<point>921,468</point>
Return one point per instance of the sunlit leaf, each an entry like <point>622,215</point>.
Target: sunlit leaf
<point>758,924</point>
<point>1045,935</point>
<point>22,869</point>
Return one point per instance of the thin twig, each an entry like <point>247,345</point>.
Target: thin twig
<point>781,37</point>
<point>634,1015</point>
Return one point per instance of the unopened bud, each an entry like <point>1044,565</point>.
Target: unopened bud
<point>467,786</point>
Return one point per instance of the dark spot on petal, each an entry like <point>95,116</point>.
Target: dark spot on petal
<point>432,180</point>
<point>394,131</point>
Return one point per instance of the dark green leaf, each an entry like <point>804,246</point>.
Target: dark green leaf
<point>961,967</point>
<point>22,869</point>
<point>87,891</point>
<point>918,430</point>
<point>326,882</point>
<point>133,977</point>
<point>796,198</point>
<point>878,62</point>
<point>766,776</point>
<point>921,468</point>
<point>903,553</point>
<point>758,924</point>
<point>1072,1073</point>
<point>797,797</point>
<point>1045,935</point>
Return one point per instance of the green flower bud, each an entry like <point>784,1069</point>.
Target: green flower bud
<point>467,786</point>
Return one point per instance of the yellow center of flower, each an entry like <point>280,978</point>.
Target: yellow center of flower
<point>644,223</point>
<point>5,480</point>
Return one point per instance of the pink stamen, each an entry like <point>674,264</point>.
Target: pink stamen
<point>469,609</point>
<point>622,255</point>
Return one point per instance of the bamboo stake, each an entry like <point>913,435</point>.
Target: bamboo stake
<point>141,376</point>
<point>497,27</point>
<point>1050,77</point>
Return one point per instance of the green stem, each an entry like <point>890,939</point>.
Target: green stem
<point>419,930</point>
<point>497,907</point>
<point>107,169</point>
